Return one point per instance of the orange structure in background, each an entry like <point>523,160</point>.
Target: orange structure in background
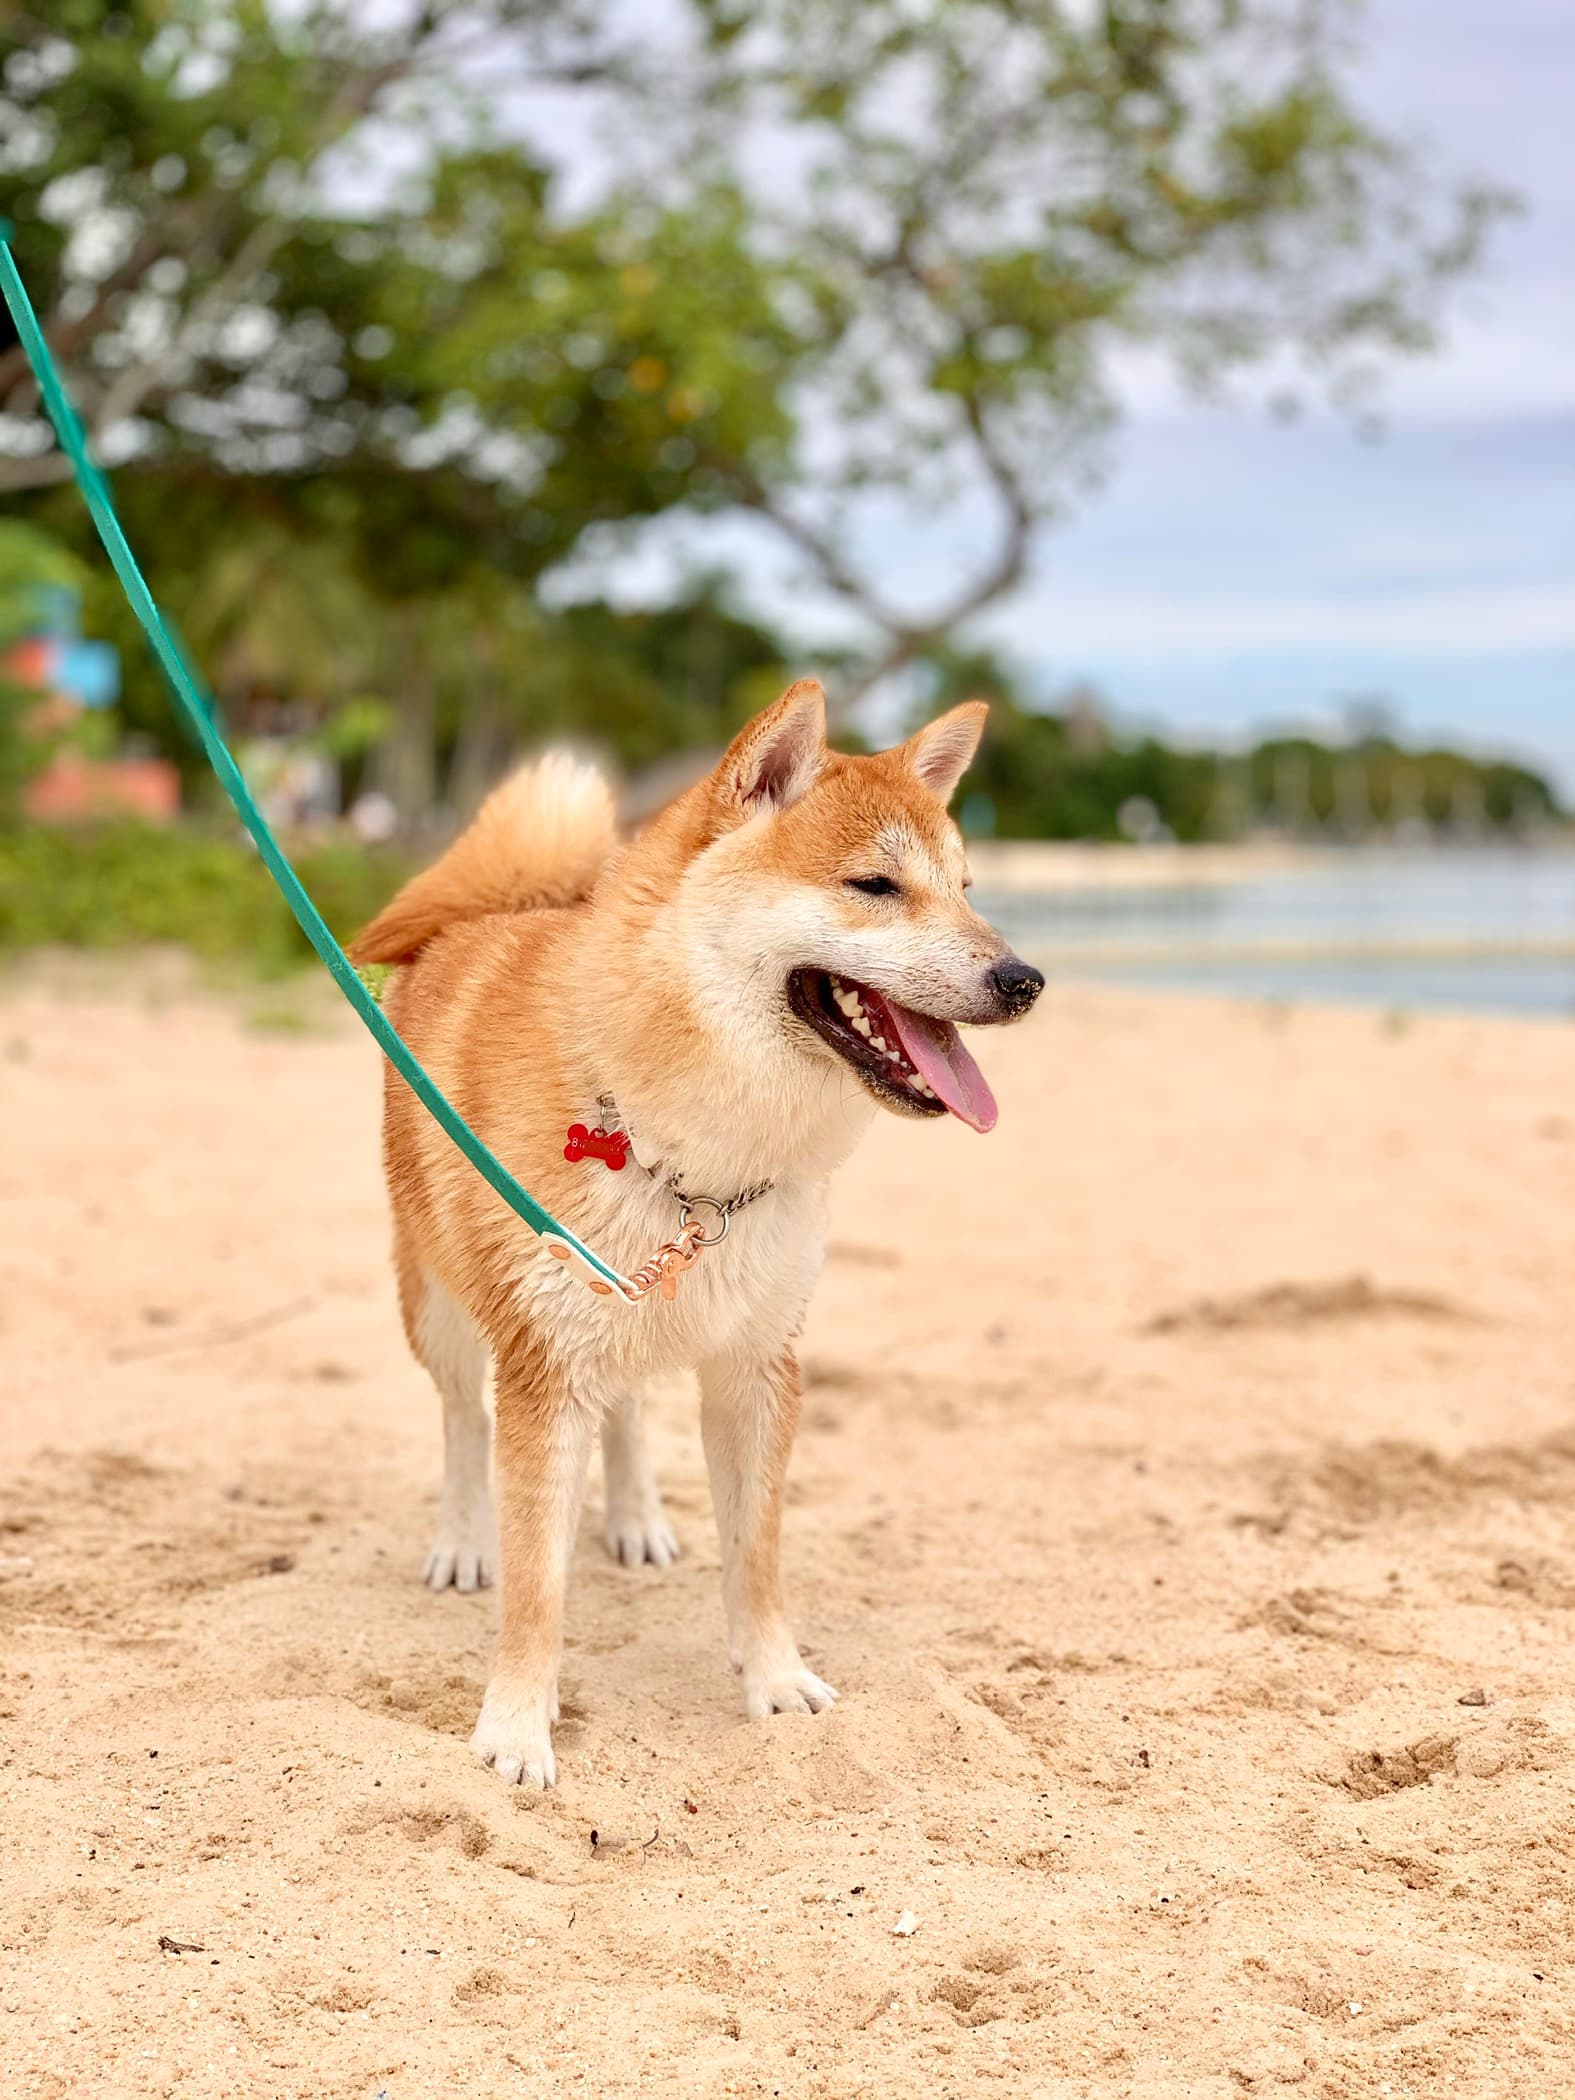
<point>71,789</point>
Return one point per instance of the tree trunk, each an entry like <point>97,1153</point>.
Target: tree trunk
<point>479,750</point>
<point>404,766</point>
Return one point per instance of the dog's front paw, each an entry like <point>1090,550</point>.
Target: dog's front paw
<point>514,1736</point>
<point>785,1687</point>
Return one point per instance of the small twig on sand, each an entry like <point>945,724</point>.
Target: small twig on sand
<point>238,1331</point>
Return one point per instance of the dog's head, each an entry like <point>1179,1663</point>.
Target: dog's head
<point>828,905</point>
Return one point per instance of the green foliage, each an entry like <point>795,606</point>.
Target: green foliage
<point>375,977</point>
<point>21,751</point>
<point>461,375</point>
<point>32,563</point>
<point>354,729</point>
<point>122,885</point>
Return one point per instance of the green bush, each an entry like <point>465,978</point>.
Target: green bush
<point>121,884</point>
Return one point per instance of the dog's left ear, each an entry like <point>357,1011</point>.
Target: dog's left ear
<point>942,751</point>
<point>773,760</point>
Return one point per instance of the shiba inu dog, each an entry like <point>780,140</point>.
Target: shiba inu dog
<point>719,1006</point>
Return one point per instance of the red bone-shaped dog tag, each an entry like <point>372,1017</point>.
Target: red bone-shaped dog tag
<point>609,1145</point>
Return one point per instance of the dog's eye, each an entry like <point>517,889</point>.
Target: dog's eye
<point>874,885</point>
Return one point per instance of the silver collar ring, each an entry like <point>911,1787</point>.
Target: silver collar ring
<point>686,1210</point>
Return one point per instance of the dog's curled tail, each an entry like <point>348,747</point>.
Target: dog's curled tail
<point>540,839</point>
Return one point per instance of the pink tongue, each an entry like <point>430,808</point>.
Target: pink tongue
<point>935,1050</point>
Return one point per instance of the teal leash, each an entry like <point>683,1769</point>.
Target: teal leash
<point>198,711</point>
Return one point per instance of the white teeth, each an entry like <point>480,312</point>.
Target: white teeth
<point>877,1042</point>
<point>848,1001</point>
<point>861,1023</point>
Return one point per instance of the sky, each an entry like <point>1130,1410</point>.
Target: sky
<point>1234,572</point>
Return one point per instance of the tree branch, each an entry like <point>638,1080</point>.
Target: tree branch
<point>907,638</point>
<point>132,389</point>
<point>38,470</point>
<point>63,335</point>
<point>749,490</point>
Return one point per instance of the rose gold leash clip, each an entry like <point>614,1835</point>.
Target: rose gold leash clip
<point>679,1253</point>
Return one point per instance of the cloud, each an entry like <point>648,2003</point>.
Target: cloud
<point>1490,620</point>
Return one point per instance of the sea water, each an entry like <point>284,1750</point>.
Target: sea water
<point>1489,930</point>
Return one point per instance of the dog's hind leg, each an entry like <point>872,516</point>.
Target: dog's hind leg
<point>636,1527</point>
<point>447,1341</point>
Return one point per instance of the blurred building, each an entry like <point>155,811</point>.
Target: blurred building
<point>75,679</point>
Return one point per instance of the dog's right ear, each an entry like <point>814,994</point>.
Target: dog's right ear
<point>774,759</point>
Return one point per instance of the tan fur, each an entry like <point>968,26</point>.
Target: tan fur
<point>655,972</point>
<point>540,839</point>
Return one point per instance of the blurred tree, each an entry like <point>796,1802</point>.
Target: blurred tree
<point>375,426</point>
<point>307,272</point>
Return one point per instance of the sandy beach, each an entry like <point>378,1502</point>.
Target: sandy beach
<point>1185,1506</point>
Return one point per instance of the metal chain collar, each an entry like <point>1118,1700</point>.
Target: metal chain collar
<point>725,1209</point>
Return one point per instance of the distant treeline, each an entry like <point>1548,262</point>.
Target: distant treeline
<point>1059,776</point>
<point>1069,770</point>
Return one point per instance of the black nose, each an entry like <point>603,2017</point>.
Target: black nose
<point>1017,984</point>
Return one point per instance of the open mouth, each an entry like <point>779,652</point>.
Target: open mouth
<point>909,1061</point>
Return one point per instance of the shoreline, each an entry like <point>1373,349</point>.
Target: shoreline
<point>1033,867</point>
